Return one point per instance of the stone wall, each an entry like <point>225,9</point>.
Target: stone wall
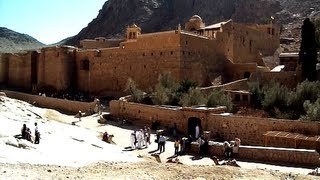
<point>249,129</point>
<point>287,78</point>
<point>19,70</point>
<point>56,68</point>
<point>268,154</point>
<point>4,66</point>
<point>63,105</point>
<point>99,43</point>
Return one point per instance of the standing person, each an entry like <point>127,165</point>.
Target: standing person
<point>149,135</point>
<point>200,143</point>
<point>133,140</point>
<point>36,134</point>
<point>24,131</point>
<point>80,114</point>
<point>162,142</point>
<point>197,131</point>
<point>176,146</point>
<point>158,140</point>
<point>174,130</point>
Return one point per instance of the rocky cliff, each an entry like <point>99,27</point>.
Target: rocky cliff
<point>157,15</point>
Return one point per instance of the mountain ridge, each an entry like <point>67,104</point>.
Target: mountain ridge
<point>12,41</point>
<point>160,15</point>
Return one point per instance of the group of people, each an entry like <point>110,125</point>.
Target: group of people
<point>27,135</point>
<point>140,138</point>
<point>231,149</point>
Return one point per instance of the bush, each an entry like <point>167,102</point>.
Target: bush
<point>165,90</point>
<point>160,95</point>
<point>218,98</point>
<point>275,96</point>
<point>136,93</point>
<point>313,110</point>
<point>192,98</point>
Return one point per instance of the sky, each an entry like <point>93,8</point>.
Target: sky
<point>49,21</point>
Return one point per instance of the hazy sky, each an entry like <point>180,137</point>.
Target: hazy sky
<point>49,21</point>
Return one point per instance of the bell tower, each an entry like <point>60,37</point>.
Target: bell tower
<point>133,32</point>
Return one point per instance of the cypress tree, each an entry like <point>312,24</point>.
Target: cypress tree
<point>308,51</point>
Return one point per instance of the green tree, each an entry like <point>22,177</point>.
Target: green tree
<point>219,98</point>
<point>192,98</point>
<point>136,93</point>
<point>308,51</point>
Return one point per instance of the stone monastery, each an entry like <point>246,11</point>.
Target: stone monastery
<point>226,50</point>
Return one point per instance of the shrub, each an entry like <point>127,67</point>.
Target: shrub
<point>275,96</point>
<point>192,98</point>
<point>218,98</point>
<point>160,95</point>
<point>136,93</point>
<point>313,110</point>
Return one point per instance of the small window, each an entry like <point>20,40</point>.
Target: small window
<point>144,66</point>
<point>143,54</point>
<point>186,42</point>
<point>85,65</point>
<point>189,53</point>
<point>151,54</point>
<point>272,31</point>
<point>58,54</point>
<point>115,67</point>
<point>171,52</point>
<point>245,97</point>
<point>246,75</point>
<point>160,53</point>
<point>183,52</point>
<point>237,97</point>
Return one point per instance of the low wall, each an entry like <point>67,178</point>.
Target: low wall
<point>249,129</point>
<point>268,154</point>
<point>53,103</point>
<point>235,85</point>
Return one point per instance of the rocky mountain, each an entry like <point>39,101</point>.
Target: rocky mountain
<point>157,15</point>
<point>11,41</point>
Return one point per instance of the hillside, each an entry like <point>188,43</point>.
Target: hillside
<point>11,41</point>
<point>157,15</point>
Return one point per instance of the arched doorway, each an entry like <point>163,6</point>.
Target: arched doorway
<point>192,123</point>
<point>246,75</point>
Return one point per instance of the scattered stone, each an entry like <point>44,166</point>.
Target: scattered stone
<point>49,170</point>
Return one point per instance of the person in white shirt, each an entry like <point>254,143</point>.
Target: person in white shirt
<point>197,132</point>
<point>133,140</point>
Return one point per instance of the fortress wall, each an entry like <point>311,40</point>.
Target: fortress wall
<point>248,42</point>
<point>202,59</point>
<point>111,67</point>
<point>56,67</point>
<point>4,66</point>
<point>19,71</point>
<point>94,44</point>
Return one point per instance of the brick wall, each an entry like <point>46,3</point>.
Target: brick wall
<point>53,103</point>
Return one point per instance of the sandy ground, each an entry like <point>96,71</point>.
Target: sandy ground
<point>147,167</point>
